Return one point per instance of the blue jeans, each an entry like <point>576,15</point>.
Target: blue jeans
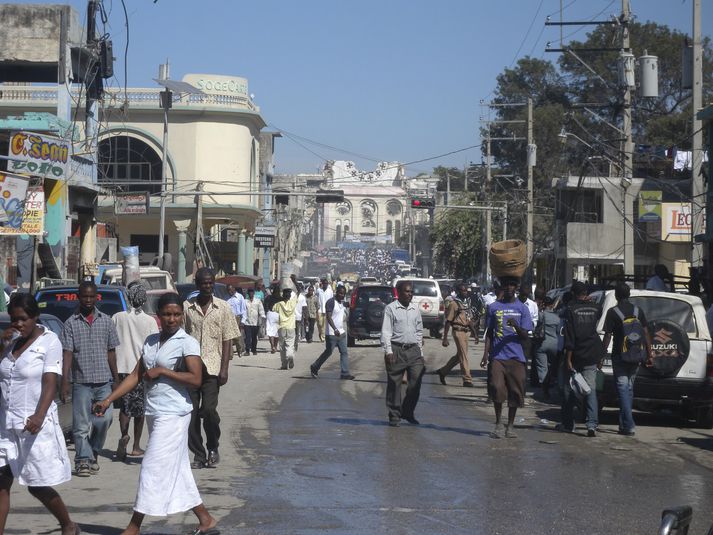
<point>332,342</point>
<point>590,401</point>
<point>624,375</point>
<point>88,429</point>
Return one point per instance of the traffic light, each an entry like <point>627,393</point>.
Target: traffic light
<point>423,202</point>
<point>329,195</point>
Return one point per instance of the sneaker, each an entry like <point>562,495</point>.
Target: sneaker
<point>283,367</point>
<point>394,423</point>
<point>314,372</point>
<point>94,466</point>
<point>499,431</point>
<point>83,470</point>
<point>213,458</point>
<point>347,377</point>
<point>562,429</point>
<point>627,433</point>
<point>591,433</point>
<point>510,431</point>
<point>290,363</point>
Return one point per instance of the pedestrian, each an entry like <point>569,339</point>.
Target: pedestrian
<point>211,321</point>
<point>237,305</point>
<point>32,447</point>
<point>170,366</point>
<point>626,322</point>
<point>658,282</point>
<point>583,354</point>
<point>324,294</point>
<point>527,345</point>
<point>508,324</point>
<point>336,336</point>
<point>312,312</point>
<point>89,342</point>
<point>546,341</point>
<point>300,316</point>
<point>254,313</point>
<point>401,340</point>
<point>285,310</point>
<point>272,322</point>
<point>133,327</point>
<point>459,318</point>
<point>260,294</point>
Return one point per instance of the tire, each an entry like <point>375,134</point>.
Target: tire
<point>704,417</point>
<point>351,342</point>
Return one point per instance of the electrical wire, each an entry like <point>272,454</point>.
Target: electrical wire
<point>527,33</point>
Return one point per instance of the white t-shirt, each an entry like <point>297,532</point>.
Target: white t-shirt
<point>656,284</point>
<point>133,328</point>
<point>337,317</point>
<point>323,296</point>
<point>534,311</point>
<point>301,302</point>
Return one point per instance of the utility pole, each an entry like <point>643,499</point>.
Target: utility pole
<point>488,216</point>
<point>465,178</point>
<point>697,190</point>
<point>530,187</point>
<point>166,97</point>
<point>628,149</point>
<point>448,187</point>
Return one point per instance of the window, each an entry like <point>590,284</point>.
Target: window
<point>579,206</point>
<point>424,288</point>
<point>669,309</point>
<point>389,228</point>
<point>127,159</point>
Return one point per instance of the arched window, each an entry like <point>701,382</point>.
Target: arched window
<point>346,230</point>
<point>389,227</point>
<point>128,159</point>
<point>368,214</point>
<point>393,207</point>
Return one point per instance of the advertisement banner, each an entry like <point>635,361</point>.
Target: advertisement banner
<point>268,242</point>
<point>12,197</point>
<point>676,221</point>
<point>132,203</point>
<point>650,206</point>
<point>32,219</point>
<point>38,155</point>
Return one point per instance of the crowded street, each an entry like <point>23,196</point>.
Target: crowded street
<point>304,455</point>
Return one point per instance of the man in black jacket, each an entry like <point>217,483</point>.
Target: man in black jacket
<point>584,352</point>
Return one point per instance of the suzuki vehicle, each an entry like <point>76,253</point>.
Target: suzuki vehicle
<point>427,297</point>
<point>366,311</point>
<point>682,372</point>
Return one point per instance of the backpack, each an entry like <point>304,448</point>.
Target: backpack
<point>633,349</point>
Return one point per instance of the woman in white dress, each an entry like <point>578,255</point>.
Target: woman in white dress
<point>32,447</point>
<point>170,363</point>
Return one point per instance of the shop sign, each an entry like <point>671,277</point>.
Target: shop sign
<point>218,85</point>
<point>32,219</point>
<point>132,203</point>
<point>263,241</point>
<point>676,221</point>
<point>649,206</point>
<point>38,155</point>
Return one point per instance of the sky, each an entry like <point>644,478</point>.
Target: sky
<point>375,80</point>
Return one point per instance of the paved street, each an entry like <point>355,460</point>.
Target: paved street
<point>306,456</point>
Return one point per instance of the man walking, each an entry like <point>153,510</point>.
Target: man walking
<point>627,322</point>
<point>285,309</point>
<point>583,352</point>
<point>237,305</point>
<point>324,294</point>
<point>89,342</point>
<point>254,313</point>
<point>210,321</point>
<point>401,340</point>
<point>336,336</point>
<point>460,318</point>
<point>312,312</point>
<point>300,316</point>
<point>508,324</point>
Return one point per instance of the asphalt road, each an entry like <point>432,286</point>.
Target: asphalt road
<point>310,456</point>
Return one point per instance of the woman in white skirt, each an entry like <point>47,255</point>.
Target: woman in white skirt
<point>170,363</point>
<point>32,447</point>
<point>272,320</point>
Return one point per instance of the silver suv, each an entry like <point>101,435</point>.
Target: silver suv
<point>682,374</point>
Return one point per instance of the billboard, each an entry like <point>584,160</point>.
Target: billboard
<point>676,221</point>
<point>650,206</point>
<point>38,155</point>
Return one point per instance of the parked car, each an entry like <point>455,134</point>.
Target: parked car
<point>54,324</point>
<point>62,301</point>
<point>427,297</point>
<point>682,373</point>
<point>366,311</point>
<point>153,277</point>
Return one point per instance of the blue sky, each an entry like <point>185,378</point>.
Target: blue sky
<point>397,80</point>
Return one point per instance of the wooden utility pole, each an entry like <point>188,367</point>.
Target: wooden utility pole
<point>628,150</point>
<point>698,190</point>
<point>488,216</point>
<point>530,187</point>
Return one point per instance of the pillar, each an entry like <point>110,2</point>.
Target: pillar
<point>241,253</point>
<point>250,255</point>
<point>182,228</point>
<point>87,244</point>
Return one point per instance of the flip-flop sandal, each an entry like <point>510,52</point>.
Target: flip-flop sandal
<point>121,448</point>
<point>136,453</point>
<point>209,531</point>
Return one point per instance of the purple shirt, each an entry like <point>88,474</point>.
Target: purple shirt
<point>505,341</point>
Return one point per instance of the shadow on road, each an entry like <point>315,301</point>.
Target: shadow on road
<point>100,530</point>
<point>384,423</point>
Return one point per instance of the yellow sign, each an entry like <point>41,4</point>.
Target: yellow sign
<point>33,215</point>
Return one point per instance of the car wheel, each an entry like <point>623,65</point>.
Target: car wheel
<point>704,417</point>
<point>351,342</point>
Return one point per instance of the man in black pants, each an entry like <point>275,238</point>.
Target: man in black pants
<point>401,339</point>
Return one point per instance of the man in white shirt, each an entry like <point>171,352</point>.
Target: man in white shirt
<point>336,336</point>
<point>300,316</point>
<point>254,311</point>
<point>657,283</point>
<point>324,294</point>
<point>237,305</point>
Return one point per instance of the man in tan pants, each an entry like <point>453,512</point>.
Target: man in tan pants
<point>324,294</point>
<point>459,317</point>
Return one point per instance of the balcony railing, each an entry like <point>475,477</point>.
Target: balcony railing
<point>142,98</point>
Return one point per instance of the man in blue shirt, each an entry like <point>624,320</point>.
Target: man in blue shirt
<point>508,323</point>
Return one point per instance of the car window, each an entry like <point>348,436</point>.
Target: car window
<point>63,303</point>
<point>365,296</point>
<point>424,289</point>
<point>157,282</point>
<point>656,308</point>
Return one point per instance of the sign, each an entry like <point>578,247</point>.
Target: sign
<point>32,220</point>
<point>38,155</point>
<point>266,231</point>
<point>267,242</point>
<point>215,84</point>
<point>131,203</point>
<point>13,190</point>
<point>649,206</point>
<point>676,221</point>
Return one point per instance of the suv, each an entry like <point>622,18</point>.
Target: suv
<point>62,301</point>
<point>366,311</point>
<point>427,297</point>
<point>682,373</point>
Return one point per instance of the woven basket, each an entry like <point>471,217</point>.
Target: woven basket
<point>508,258</point>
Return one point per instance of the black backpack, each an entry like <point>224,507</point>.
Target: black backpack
<point>633,347</point>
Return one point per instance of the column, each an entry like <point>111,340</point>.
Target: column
<point>250,255</point>
<point>87,244</point>
<point>182,228</point>
<point>240,267</point>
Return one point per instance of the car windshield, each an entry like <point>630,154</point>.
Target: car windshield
<point>365,296</point>
<point>424,289</point>
<point>657,308</point>
<point>63,303</point>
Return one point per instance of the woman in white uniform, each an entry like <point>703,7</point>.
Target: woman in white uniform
<point>32,447</point>
<point>170,363</point>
